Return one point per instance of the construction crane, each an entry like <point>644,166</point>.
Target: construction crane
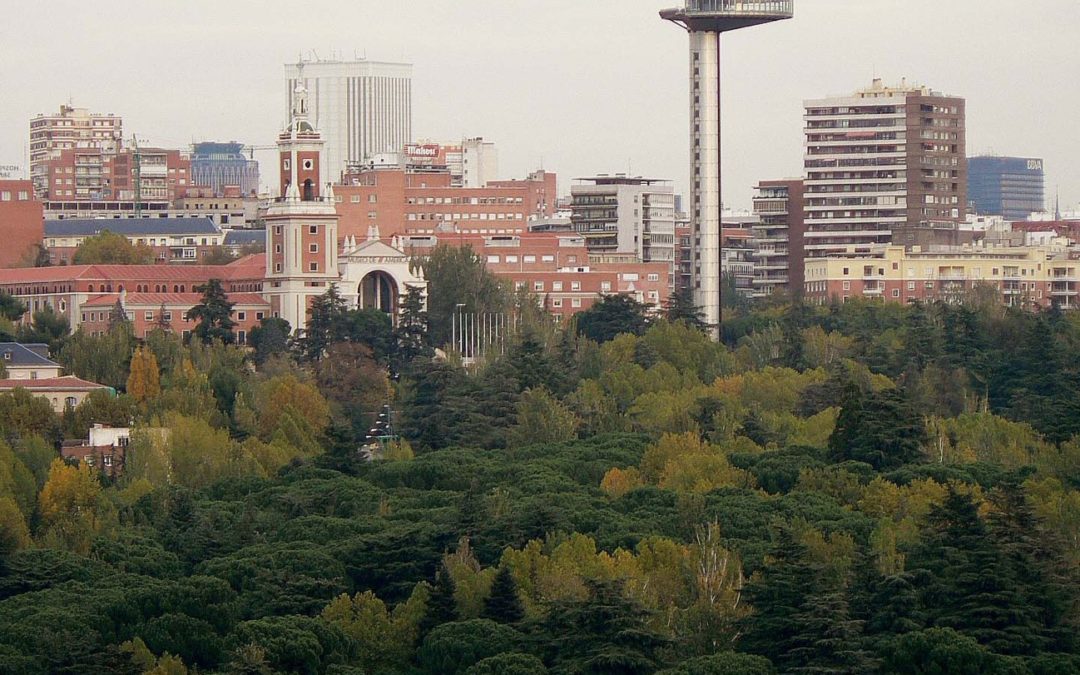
<point>252,148</point>
<point>136,159</point>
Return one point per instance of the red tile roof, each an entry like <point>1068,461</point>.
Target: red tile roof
<point>68,382</point>
<point>189,273</point>
<point>173,299</point>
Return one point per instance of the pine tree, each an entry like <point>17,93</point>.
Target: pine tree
<point>411,335</point>
<point>680,306</point>
<point>163,321</point>
<point>828,639</point>
<point>441,605</point>
<point>777,597</point>
<point>117,316</point>
<point>504,604</point>
<point>971,587</point>
<point>214,314</point>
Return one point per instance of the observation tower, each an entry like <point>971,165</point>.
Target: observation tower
<point>705,20</point>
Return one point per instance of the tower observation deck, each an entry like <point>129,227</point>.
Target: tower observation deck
<point>705,20</point>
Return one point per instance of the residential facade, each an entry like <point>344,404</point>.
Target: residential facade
<point>624,214</point>
<point>173,240</point>
<point>778,239</point>
<point>881,161</point>
<point>28,361</point>
<point>71,128</point>
<point>1020,277</point>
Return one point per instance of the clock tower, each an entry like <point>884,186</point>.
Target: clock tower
<point>301,223</point>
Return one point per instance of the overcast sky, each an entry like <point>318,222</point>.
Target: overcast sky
<point>581,86</point>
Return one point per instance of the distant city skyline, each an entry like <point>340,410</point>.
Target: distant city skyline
<point>578,88</point>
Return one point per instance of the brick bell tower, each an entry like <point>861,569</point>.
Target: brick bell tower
<point>301,223</point>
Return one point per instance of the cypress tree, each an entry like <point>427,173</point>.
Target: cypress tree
<point>504,603</point>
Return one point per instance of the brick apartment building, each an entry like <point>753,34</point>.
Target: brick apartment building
<point>884,165</point>
<point>414,200</point>
<point>21,221</point>
<point>557,268</point>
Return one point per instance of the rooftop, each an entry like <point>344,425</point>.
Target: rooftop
<point>187,300</point>
<point>86,227</point>
<point>17,354</point>
<point>725,15</point>
<point>66,383</point>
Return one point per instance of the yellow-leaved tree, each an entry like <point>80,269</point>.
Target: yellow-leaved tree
<point>144,377</point>
<point>72,507</point>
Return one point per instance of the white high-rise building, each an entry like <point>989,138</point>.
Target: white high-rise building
<point>361,107</point>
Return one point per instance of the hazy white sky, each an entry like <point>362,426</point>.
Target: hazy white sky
<point>585,86</point>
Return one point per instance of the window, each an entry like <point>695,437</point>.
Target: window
<point>654,277</point>
<point>847,285</point>
<point>845,271</point>
<point>493,259</point>
<point>557,302</point>
<point>241,337</point>
<point>605,286</point>
<point>313,267</point>
<point>575,285</point>
<point>530,258</point>
<point>911,285</point>
<point>168,316</point>
<point>556,285</point>
<point>575,302</point>
<point>313,229</point>
<point>149,316</point>
<point>277,267</point>
<point>241,316</point>
<point>313,248</point>
<point>277,248</point>
<point>896,292</point>
<point>372,199</point>
<point>538,285</point>
<point>70,401</point>
<point>5,196</point>
<point>355,199</point>
<point>548,258</point>
<point>929,284</point>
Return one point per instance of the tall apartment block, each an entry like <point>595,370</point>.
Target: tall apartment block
<point>1010,187</point>
<point>884,165</point>
<point>705,20</point>
<point>222,165</point>
<point>361,107</point>
<point>72,128</point>
<point>779,238</point>
<point>628,215</point>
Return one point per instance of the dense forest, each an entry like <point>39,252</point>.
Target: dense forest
<point>854,488</point>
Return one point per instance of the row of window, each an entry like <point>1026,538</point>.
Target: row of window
<point>23,196</point>
<point>460,216</point>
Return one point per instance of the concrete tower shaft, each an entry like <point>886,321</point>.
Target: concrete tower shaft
<point>705,20</point>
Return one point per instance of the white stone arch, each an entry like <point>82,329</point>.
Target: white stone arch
<point>375,275</point>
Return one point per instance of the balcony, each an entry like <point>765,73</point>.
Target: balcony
<point>724,15</point>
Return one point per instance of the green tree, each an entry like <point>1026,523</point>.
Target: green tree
<point>605,632</point>
<point>725,663</point>
<point>441,605</point>
<point>509,663</point>
<point>504,604</point>
<point>459,283</point>
<point>878,428</point>
<point>109,248</point>
<point>11,308</point>
<point>541,418</point>
<point>104,359</point>
<point>269,339</point>
<point>213,313</point>
<point>324,321</point>
<point>46,327</point>
<point>613,315</point>
<point>680,306</point>
<point>411,338</point>
<point>452,648</point>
